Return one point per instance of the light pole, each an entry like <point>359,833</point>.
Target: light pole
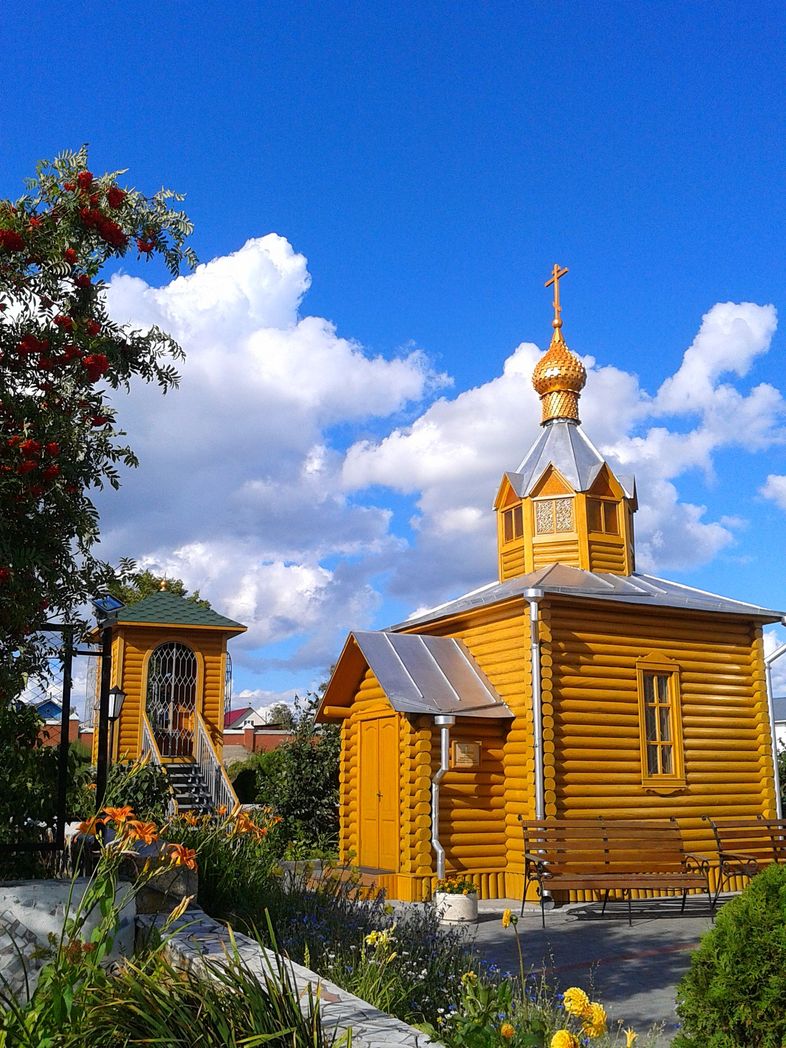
<point>116,699</point>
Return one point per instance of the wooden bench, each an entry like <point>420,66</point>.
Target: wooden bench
<point>606,855</point>
<point>746,846</point>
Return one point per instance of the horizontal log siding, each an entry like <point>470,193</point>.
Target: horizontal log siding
<point>500,642</point>
<point>511,561</point>
<point>550,551</point>
<point>471,809</point>
<point>137,644</point>
<point>591,714</point>
<point>607,555</point>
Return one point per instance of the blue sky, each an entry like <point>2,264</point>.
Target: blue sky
<point>423,165</point>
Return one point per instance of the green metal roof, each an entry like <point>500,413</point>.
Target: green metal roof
<point>176,611</point>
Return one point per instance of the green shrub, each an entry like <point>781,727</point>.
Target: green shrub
<point>299,780</point>
<point>733,995</point>
<point>142,785</point>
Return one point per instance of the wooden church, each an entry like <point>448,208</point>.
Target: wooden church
<point>573,686</point>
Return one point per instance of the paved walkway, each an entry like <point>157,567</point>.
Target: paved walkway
<point>633,971</point>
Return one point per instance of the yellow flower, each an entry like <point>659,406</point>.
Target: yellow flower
<point>506,915</point>
<point>564,1039</point>
<point>575,1001</point>
<point>507,1030</point>
<point>469,977</point>
<point>594,1020</point>
<point>630,1037</point>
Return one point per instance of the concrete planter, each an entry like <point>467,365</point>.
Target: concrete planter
<point>457,908</point>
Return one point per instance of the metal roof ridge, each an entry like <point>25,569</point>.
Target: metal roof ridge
<point>446,603</point>
<point>709,593</point>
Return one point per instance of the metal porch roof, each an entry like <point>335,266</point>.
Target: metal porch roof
<point>430,675</point>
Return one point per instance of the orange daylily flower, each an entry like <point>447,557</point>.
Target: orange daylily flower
<point>190,819</point>
<point>182,856</point>
<point>147,832</point>
<point>90,826</point>
<point>221,809</point>
<point>119,815</point>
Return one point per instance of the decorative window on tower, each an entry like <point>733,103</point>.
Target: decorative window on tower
<point>512,524</point>
<point>602,516</point>
<point>662,765</point>
<point>553,515</point>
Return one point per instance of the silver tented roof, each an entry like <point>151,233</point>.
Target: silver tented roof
<point>574,582</point>
<point>418,674</point>
<point>564,445</point>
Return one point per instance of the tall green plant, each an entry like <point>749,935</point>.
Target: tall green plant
<point>61,356</point>
<point>299,780</point>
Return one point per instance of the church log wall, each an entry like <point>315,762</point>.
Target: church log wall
<point>591,715</point>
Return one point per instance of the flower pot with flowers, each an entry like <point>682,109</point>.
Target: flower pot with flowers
<point>456,899</point>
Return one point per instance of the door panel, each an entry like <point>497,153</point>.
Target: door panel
<point>379,794</point>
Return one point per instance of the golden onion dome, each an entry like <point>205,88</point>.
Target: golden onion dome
<point>559,375</point>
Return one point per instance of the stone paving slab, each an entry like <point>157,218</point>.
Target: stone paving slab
<point>633,971</point>
<point>196,942</point>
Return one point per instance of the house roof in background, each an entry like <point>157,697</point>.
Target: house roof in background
<point>233,716</point>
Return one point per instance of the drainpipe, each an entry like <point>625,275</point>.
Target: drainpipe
<point>768,661</point>
<point>534,596</point>
<point>444,722</point>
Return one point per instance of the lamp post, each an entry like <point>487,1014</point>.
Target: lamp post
<point>116,699</point>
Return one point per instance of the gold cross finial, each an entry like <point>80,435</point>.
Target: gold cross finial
<point>556,274</point>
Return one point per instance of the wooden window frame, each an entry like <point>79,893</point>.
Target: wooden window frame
<point>605,505</point>
<point>656,665</point>
<point>515,514</point>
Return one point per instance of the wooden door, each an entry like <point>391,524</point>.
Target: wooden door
<point>379,794</point>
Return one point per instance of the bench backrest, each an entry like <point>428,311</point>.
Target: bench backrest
<point>603,845</point>
<point>761,839</point>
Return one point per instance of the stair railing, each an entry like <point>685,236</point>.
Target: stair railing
<point>213,772</point>
<point>153,753</point>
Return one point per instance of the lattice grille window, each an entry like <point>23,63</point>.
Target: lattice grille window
<point>171,698</point>
<point>554,515</point>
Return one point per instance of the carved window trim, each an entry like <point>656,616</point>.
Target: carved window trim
<point>660,724</point>
<point>547,512</point>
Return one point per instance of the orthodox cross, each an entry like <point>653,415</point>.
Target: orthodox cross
<point>556,274</point>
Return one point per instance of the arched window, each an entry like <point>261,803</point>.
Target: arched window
<point>171,698</point>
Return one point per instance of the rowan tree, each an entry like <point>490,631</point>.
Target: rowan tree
<point>61,356</point>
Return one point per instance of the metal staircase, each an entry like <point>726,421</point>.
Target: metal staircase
<point>189,787</point>
<point>200,784</point>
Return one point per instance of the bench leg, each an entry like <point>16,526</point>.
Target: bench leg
<point>684,900</point>
<point>630,908</point>
<point>605,900</point>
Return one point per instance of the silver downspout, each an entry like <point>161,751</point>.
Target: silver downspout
<point>534,596</point>
<point>768,661</point>
<point>443,721</point>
